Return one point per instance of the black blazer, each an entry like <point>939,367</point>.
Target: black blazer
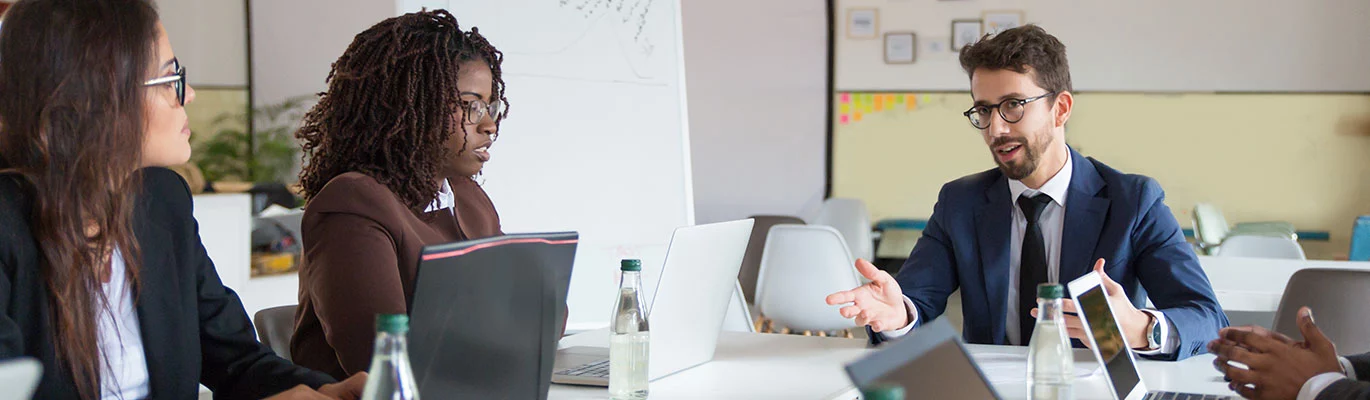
<point>1347,389</point>
<point>194,329</point>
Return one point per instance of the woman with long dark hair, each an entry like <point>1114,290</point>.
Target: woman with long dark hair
<point>102,275</point>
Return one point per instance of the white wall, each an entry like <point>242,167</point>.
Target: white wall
<point>294,42</point>
<point>756,76</point>
<point>210,38</point>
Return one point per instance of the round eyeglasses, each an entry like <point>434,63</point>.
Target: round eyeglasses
<point>1011,110</point>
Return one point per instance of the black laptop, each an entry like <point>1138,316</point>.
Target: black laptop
<point>485,314</point>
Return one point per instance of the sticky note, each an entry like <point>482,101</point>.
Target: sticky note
<point>899,99</point>
<point>880,103</point>
<point>844,108</point>
<point>846,98</point>
<point>889,99</point>
<point>856,117</point>
<point>843,118</point>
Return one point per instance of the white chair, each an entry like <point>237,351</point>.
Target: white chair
<point>1261,247</point>
<point>1211,228</point>
<point>800,266</point>
<point>850,218</point>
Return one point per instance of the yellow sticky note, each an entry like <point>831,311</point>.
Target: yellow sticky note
<point>844,108</point>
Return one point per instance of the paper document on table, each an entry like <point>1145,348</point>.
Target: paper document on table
<point>1009,368</point>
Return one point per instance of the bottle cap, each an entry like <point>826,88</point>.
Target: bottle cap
<point>392,323</point>
<point>1050,291</point>
<point>631,265</point>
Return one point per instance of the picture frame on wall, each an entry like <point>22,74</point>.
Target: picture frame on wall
<point>901,47</point>
<point>863,23</point>
<point>999,21</point>
<point>964,32</point>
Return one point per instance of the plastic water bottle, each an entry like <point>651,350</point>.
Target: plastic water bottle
<point>1050,362</point>
<point>390,376</point>
<point>628,343</point>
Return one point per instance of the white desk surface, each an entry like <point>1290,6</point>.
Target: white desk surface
<point>771,366</point>
<point>1257,284</point>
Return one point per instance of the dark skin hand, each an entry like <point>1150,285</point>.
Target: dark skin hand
<point>1277,365</point>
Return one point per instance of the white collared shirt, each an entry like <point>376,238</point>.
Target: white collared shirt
<point>445,199</point>
<point>1052,225</point>
<point>1315,385</point>
<point>123,367</point>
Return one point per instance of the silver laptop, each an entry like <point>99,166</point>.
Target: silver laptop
<point>19,378</point>
<point>931,361</point>
<point>697,281</point>
<point>1111,348</point>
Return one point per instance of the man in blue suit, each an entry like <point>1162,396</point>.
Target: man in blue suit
<point>1046,214</point>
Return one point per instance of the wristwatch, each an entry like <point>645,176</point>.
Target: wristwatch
<point>1153,340</point>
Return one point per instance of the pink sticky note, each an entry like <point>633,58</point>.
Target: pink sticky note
<point>843,119</point>
<point>846,97</point>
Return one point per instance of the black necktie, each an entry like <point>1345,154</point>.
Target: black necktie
<point>1033,264</point>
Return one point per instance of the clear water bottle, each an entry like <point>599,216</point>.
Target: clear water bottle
<point>1050,362</point>
<point>628,343</point>
<point>390,376</point>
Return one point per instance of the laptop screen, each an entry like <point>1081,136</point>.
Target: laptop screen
<point>1109,340</point>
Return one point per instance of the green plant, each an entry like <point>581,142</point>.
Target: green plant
<point>268,155</point>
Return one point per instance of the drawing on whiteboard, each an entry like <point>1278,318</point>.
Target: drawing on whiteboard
<point>632,14</point>
<point>618,41</point>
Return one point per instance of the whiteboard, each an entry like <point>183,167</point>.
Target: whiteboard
<point>596,140</point>
<point>1146,46</point>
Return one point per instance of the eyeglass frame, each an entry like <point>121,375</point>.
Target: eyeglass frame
<point>495,109</point>
<point>1000,108</point>
<point>177,80</point>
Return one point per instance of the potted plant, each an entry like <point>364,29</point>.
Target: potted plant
<point>233,159</point>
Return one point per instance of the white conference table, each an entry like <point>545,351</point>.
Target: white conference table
<point>772,366</point>
<point>1257,284</point>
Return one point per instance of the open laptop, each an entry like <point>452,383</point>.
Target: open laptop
<point>19,377</point>
<point>931,361</point>
<point>485,313</point>
<point>692,294</point>
<point>1111,348</point>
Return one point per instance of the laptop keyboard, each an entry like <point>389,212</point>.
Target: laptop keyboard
<point>597,369</point>
<point>1182,396</point>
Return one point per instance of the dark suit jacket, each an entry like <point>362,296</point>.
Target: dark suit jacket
<point>361,252</point>
<point>194,329</point>
<point>1347,389</point>
<point>1118,217</point>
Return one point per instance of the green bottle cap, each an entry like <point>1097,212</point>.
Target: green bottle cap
<point>883,392</point>
<point>392,323</point>
<point>1050,291</point>
<point>630,265</point>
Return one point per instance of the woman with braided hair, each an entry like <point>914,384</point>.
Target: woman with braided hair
<point>392,147</point>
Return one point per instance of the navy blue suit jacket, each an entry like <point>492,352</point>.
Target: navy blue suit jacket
<point>1119,217</point>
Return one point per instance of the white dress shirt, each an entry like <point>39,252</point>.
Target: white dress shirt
<point>123,369</point>
<point>1316,384</point>
<point>445,199</point>
<point>1052,225</point>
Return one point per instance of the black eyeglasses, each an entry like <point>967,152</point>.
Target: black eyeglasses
<point>476,110</point>
<point>177,81</point>
<point>1011,110</point>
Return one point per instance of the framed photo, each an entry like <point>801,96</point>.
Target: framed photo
<point>901,47</point>
<point>999,21</point>
<point>964,32</point>
<point>863,23</point>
